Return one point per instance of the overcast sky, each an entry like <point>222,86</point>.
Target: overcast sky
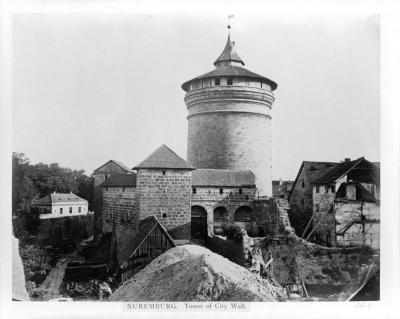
<point>92,87</point>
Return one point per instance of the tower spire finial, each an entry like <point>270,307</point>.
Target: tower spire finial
<point>229,24</point>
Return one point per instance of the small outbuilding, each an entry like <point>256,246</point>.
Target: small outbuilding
<point>139,249</point>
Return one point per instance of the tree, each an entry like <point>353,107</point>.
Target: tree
<point>31,182</point>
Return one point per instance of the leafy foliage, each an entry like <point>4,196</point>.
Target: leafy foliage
<point>35,181</point>
<point>232,232</point>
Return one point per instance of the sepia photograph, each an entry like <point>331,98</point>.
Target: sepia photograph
<point>179,158</point>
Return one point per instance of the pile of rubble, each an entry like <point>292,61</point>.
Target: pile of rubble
<point>194,273</point>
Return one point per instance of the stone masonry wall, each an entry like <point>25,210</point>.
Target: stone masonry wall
<point>121,208</point>
<point>165,193</point>
<point>232,141</point>
<point>210,198</point>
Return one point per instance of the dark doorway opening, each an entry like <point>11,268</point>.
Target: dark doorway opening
<point>198,223</point>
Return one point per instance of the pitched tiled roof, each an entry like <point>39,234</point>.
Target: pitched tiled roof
<point>313,170</point>
<point>120,180</point>
<point>228,54</point>
<point>124,167</point>
<point>164,157</point>
<point>340,170</point>
<point>57,198</point>
<point>133,242</point>
<point>231,70</point>
<point>222,177</point>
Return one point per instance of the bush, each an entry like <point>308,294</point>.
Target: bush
<point>232,232</point>
<point>36,263</point>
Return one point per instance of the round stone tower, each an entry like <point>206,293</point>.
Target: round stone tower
<point>230,119</point>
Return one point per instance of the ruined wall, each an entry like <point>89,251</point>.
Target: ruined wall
<point>122,208</point>
<point>367,233</point>
<point>210,198</point>
<point>165,193</point>
<point>325,270</point>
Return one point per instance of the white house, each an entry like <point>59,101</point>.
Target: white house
<point>56,205</point>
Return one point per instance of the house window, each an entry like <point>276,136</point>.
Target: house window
<point>61,210</point>
<point>240,191</point>
<point>194,190</point>
<point>229,81</point>
<point>332,188</point>
<point>217,82</point>
<point>163,172</point>
<point>221,191</point>
<point>326,189</point>
<point>70,210</point>
<point>302,183</point>
<point>317,189</point>
<point>164,215</point>
<point>123,189</point>
<point>105,176</point>
<point>317,207</point>
<point>79,209</point>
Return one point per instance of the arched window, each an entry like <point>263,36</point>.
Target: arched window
<point>220,216</point>
<point>243,214</point>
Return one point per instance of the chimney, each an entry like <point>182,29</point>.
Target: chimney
<point>347,159</point>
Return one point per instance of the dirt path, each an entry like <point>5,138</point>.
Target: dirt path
<point>55,277</point>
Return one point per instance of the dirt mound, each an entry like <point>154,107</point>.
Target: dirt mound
<point>194,273</point>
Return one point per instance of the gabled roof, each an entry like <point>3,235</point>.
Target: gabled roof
<point>58,198</point>
<point>124,167</point>
<point>164,157</point>
<point>231,70</point>
<point>362,194</point>
<point>134,241</point>
<point>341,170</point>
<point>228,54</point>
<point>223,177</point>
<point>120,180</point>
<point>313,170</point>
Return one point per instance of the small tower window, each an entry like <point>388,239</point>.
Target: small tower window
<point>217,82</point>
<point>302,183</point>
<point>194,190</point>
<point>221,191</point>
<point>79,209</point>
<point>317,189</point>
<point>164,215</point>
<point>123,189</point>
<point>332,188</point>
<point>70,210</point>
<point>61,210</point>
<point>240,191</point>
<point>229,81</point>
<point>317,207</point>
<point>163,172</point>
<point>326,189</point>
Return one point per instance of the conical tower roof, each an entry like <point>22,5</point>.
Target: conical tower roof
<point>164,157</point>
<point>228,54</point>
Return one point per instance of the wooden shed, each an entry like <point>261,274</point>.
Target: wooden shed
<point>151,240</point>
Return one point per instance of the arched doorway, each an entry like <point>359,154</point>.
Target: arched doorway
<point>220,216</point>
<point>198,223</point>
<point>244,217</point>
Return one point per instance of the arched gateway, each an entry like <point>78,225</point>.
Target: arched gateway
<point>198,223</point>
